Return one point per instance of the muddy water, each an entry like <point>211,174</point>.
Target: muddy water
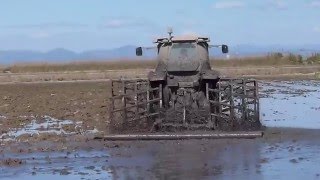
<point>201,159</point>
<point>74,165</point>
<point>291,104</point>
<point>283,153</point>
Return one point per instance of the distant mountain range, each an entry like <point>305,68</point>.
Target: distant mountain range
<point>128,52</point>
<point>64,55</point>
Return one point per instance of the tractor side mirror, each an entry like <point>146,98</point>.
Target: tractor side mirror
<point>139,51</point>
<point>225,49</point>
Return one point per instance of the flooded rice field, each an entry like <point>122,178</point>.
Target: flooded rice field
<point>291,104</point>
<point>289,149</point>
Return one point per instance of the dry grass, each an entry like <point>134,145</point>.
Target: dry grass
<point>276,59</point>
<point>82,66</point>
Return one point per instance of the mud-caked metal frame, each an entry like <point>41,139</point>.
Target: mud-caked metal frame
<point>234,103</point>
<point>133,103</point>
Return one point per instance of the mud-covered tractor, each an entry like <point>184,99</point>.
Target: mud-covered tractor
<point>184,93</point>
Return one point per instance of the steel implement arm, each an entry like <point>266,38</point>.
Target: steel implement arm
<point>215,46</point>
<point>224,47</point>
<point>221,135</point>
<point>148,48</point>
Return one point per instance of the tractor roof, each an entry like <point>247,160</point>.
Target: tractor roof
<point>182,39</point>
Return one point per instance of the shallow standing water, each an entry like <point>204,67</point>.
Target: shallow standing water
<point>291,104</point>
<point>283,104</point>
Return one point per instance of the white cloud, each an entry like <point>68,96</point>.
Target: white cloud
<point>316,29</point>
<point>278,4</point>
<point>229,4</point>
<point>314,4</point>
<point>115,23</point>
<point>126,22</point>
<point>40,35</point>
<point>53,25</point>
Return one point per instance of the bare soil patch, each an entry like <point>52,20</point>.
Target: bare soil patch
<point>23,103</point>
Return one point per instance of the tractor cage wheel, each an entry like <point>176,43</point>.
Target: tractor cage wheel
<point>133,103</point>
<point>234,104</point>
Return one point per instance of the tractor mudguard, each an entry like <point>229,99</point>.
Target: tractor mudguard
<point>156,76</point>
<point>210,74</point>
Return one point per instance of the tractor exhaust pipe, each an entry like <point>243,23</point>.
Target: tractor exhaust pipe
<point>222,135</point>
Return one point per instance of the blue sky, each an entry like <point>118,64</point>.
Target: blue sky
<point>102,24</point>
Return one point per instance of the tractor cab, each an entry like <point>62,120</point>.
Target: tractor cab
<point>183,53</point>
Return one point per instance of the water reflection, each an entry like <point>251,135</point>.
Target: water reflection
<point>194,160</point>
<point>291,161</point>
<point>291,104</point>
<point>198,159</point>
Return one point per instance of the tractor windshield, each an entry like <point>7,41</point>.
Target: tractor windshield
<point>183,52</point>
<point>183,57</point>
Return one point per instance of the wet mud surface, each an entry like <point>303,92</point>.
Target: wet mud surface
<point>45,136</point>
<point>69,107</point>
